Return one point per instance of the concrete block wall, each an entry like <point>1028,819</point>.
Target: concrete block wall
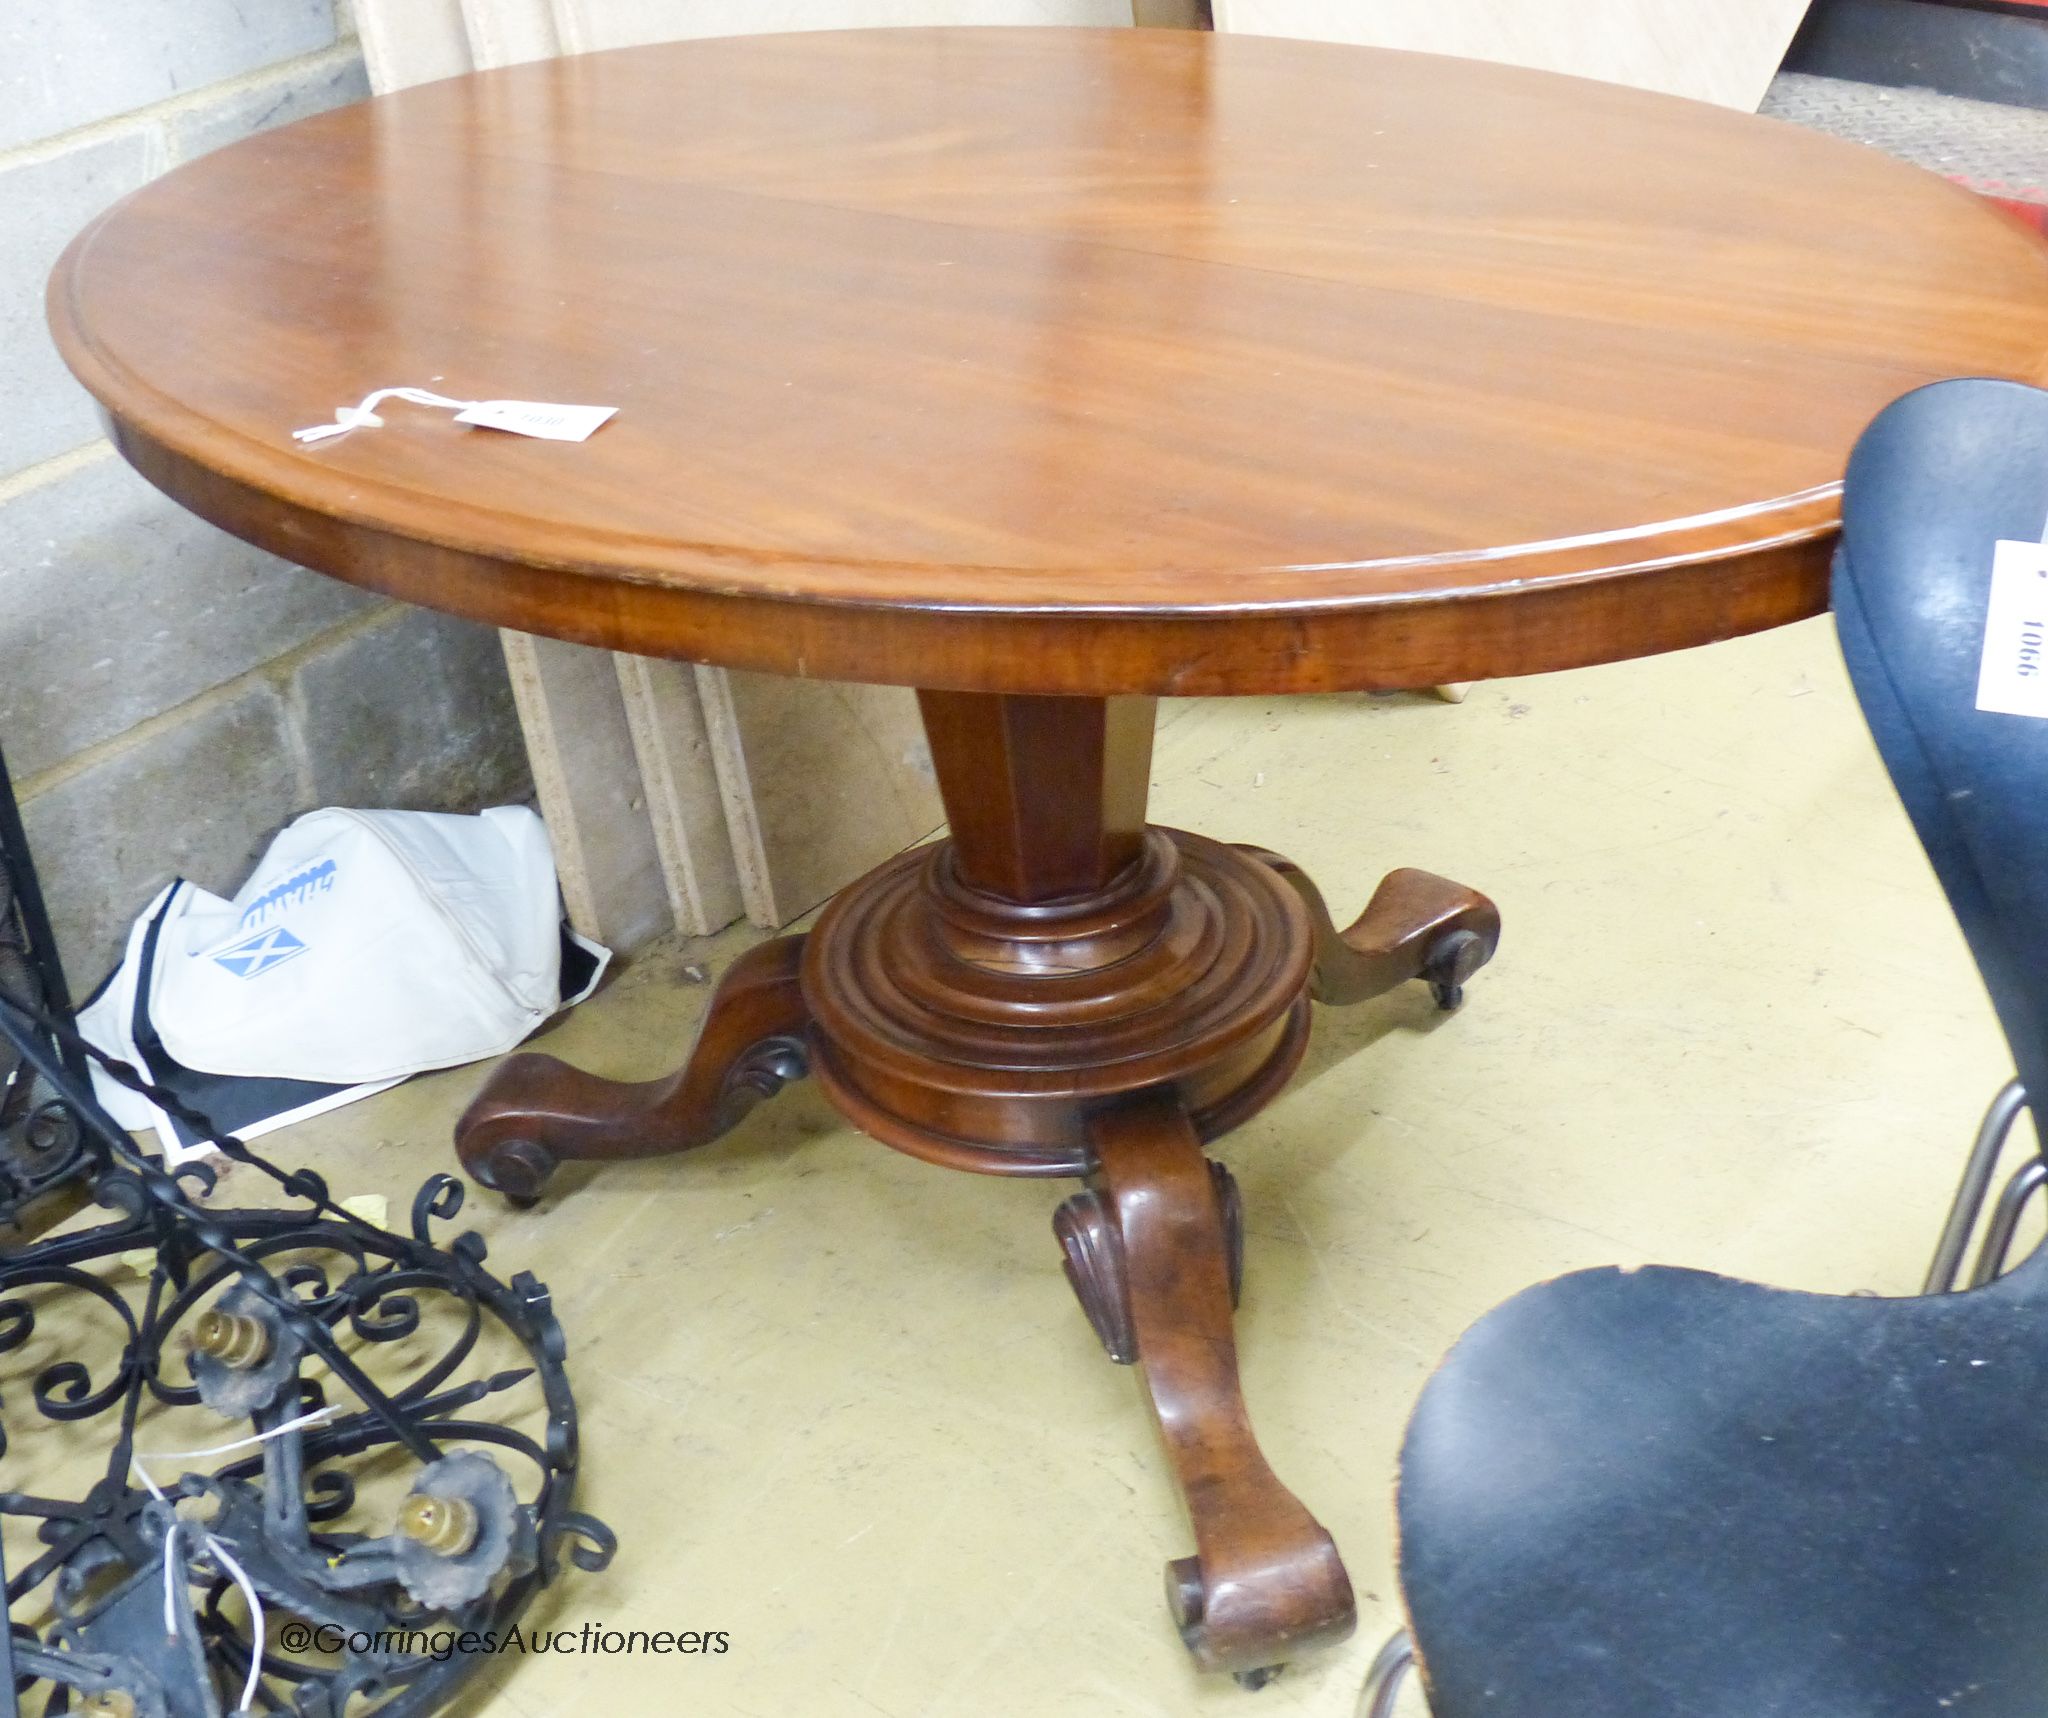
<point>169,697</point>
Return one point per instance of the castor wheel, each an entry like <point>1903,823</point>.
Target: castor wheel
<point>1186,1599</point>
<point>1452,959</point>
<point>516,1169</point>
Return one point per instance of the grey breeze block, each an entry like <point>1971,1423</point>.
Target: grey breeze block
<point>117,605</point>
<point>69,63</point>
<point>42,203</point>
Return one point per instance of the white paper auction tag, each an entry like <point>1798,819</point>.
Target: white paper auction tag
<point>2012,678</point>
<point>534,417</point>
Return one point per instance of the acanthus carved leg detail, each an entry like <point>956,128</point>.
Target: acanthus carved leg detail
<point>1095,1271</point>
<point>1417,925</point>
<point>536,1112</point>
<point>1154,1250</point>
<point>1094,1260</point>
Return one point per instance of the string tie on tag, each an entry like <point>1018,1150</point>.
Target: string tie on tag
<point>365,415</point>
<point>548,421</point>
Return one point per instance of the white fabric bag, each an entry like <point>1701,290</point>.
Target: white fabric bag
<point>366,946</point>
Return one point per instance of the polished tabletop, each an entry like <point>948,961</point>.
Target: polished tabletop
<point>1050,360</point>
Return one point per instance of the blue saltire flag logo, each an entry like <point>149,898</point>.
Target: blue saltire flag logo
<point>254,956</point>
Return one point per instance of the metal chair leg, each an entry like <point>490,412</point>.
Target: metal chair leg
<point>2027,1180</point>
<point>1383,1682</point>
<point>1976,1185</point>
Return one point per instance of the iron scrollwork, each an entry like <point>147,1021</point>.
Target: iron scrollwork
<point>392,1456</point>
<point>42,1146</point>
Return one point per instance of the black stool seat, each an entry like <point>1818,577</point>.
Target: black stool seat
<point>1664,1494</point>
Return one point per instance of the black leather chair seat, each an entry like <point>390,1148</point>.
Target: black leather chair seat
<point>1664,1494</point>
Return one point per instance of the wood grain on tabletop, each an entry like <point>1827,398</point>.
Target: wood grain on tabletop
<point>1061,360</point>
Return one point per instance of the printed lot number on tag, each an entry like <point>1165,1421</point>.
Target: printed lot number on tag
<point>2012,678</point>
<point>534,417</point>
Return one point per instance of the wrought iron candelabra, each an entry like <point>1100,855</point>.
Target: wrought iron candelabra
<point>334,1356</point>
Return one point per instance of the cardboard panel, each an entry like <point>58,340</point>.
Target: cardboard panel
<point>510,32</point>
<point>677,771</point>
<point>587,24</point>
<point>821,782</point>
<point>1181,14</point>
<point>407,42</point>
<point>588,782</point>
<point>1725,52</point>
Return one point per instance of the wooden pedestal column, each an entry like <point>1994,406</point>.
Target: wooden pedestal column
<point>979,1001</point>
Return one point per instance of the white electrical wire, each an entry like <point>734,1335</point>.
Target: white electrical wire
<point>170,1579</point>
<point>226,1559</point>
<point>292,1425</point>
<point>248,1587</point>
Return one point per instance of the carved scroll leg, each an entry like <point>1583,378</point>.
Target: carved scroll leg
<point>536,1111</point>
<point>1417,925</point>
<point>1149,1251</point>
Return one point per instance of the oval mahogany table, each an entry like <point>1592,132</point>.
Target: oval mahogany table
<point>1047,372</point>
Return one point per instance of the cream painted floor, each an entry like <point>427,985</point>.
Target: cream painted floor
<point>839,1404</point>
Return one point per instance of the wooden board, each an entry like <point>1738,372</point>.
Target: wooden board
<point>684,803</point>
<point>1726,52</point>
<point>588,780</point>
<point>821,783</point>
<point>1178,14</point>
<point>588,24</point>
<point>407,42</point>
<point>510,32</point>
